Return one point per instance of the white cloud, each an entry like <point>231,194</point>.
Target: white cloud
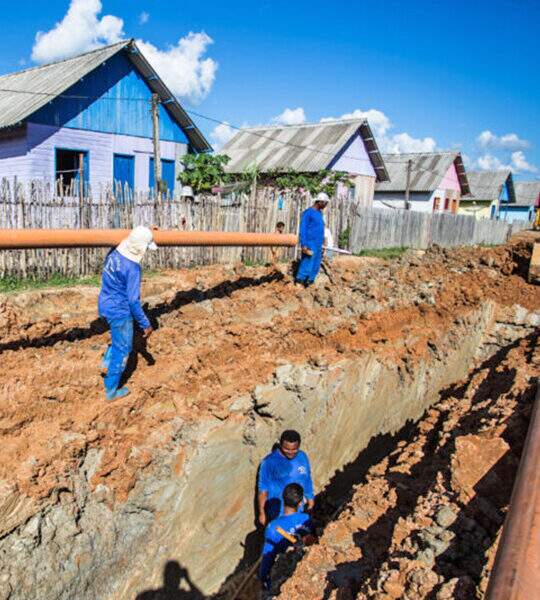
<point>403,142</point>
<point>520,163</point>
<point>144,17</point>
<point>291,116</point>
<point>488,162</point>
<point>392,143</point>
<point>183,66</point>
<point>220,135</point>
<point>509,141</point>
<point>80,30</point>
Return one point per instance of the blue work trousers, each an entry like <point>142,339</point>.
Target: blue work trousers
<point>117,354</point>
<point>309,266</point>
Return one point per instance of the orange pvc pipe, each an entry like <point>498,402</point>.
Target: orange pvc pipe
<point>16,239</point>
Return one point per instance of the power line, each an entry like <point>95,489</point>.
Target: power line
<point>414,169</point>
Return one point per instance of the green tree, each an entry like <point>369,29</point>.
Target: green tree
<point>204,171</point>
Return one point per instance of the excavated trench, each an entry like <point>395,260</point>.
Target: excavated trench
<point>103,501</point>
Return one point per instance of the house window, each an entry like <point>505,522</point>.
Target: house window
<point>454,205</point>
<point>123,175</point>
<point>446,203</point>
<point>351,192</point>
<point>167,174</point>
<point>436,204</point>
<point>68,167</point>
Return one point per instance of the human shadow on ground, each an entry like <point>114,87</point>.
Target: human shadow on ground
<point>175,579</point>
<point>140,348</point>
<point>182,298</point>
<point>375,541</point>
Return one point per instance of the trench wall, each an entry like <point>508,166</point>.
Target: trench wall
<point>194,502</point>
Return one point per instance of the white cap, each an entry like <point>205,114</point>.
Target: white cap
<point>187,190</point>
<point>137,243</point>
<point>322,197</point>
<point>145,235</point>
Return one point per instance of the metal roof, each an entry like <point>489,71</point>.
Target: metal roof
<point>25,92</point>
<point>487,185</point>
<point>428,168</point>
<point>527,193</point>
<point>303,148</point>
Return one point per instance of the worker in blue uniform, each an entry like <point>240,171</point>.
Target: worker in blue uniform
<point>120,304</point>
<point>286,464</point>
<point>293,522</point>
<point>311,238</point>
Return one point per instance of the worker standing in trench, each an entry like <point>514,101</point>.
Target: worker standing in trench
<point>286,464</point>
<point>311,236</point>
<point>120,304</point>
<point>280,533</point>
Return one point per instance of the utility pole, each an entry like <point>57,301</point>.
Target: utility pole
<point>157,154</point>
<point>408,185</point>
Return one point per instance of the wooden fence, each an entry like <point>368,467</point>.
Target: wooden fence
<point>35,205</point>
<point>380,228</point>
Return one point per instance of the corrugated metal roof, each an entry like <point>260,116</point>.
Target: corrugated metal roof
<point>428,168</point>
<point>487,185</point>
<point>527,193</point>
<point>303,148</point>
<point>25,92</point>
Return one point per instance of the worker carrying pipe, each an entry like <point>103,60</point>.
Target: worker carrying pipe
<point>119,303</point>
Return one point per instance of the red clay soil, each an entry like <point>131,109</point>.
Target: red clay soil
<point>221,331</point>
<point>427,520</point>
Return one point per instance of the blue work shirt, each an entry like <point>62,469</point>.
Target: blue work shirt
<point>277,471</point>
<point>296,524</point>
<point>120,295</point>
<point>312,228</point>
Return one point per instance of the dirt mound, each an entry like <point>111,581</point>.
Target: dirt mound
<point>426,521</point>
<point>221,331</point>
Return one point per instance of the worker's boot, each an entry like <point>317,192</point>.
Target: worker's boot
<point>116,394</point>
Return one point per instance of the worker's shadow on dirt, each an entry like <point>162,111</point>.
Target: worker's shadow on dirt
<point>177,585</point>
<point>182,298</point>
<point>375,542</point>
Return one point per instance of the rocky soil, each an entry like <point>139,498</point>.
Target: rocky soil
<point>223,334</point>
<point>426,521</point>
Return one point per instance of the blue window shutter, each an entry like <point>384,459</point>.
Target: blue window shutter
<point>167,174</point>
<point>124,171</point>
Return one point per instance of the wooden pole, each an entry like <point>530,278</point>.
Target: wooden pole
<point>157,153</point>
<point>408,185</point>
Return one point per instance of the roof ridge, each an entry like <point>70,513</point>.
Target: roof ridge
<point>62,60</point>
<point>311,124</point>
<point>418,153</point>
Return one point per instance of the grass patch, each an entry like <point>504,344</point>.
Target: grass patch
<point>14,284</point>
<point>384,253</point>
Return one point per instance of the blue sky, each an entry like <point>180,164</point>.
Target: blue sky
<point>430,74</point>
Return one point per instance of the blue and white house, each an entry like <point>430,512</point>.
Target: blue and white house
<point>92,110</point>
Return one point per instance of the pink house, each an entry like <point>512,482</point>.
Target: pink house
<point>437,181</point>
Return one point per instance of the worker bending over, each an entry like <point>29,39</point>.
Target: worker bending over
<point>286,464</point>
<point>293,522</point>
<point>311,240</point>
<point>120,304</point>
